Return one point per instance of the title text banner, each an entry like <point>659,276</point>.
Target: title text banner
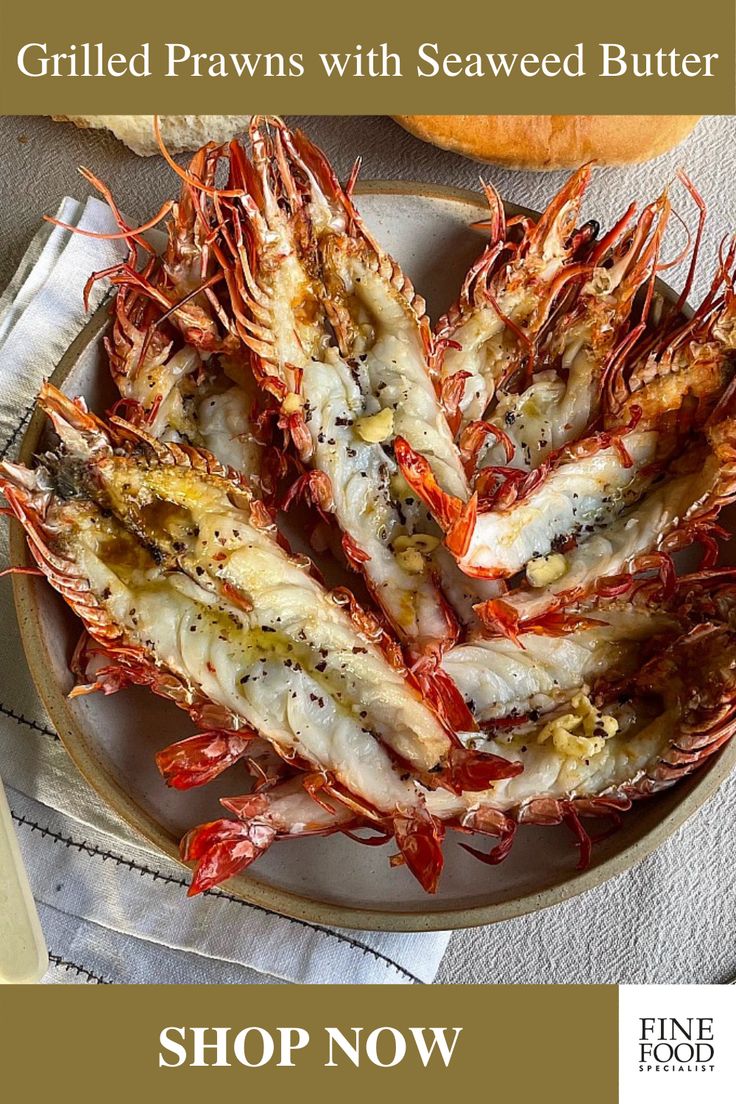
<point>387,58</point>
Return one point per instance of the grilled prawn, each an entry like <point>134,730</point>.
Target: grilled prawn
<point>688,402</point>
<point>212,658</point>
<point>237,619</point>
<point>499,680</point>
<point>301,262</point>
<point>168,389</point>
<point>599,507</point>
<point>180,368</point>
<point>594,758</point>
<point>489,335</point>
<point>564,398</point>
<point>595,643</point>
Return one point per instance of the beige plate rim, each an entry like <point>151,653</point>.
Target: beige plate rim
<point>248,889</point>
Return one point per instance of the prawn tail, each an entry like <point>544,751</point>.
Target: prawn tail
<point>222,848</point>
<point>419,838</point>
<point>198,759</point>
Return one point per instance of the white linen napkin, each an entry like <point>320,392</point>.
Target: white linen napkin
<point>113,909</point>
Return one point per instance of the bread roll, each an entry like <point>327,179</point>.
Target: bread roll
<point>179,132</point>
<point>552,141</point>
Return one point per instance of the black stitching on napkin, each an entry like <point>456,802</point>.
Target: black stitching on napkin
<point>118,860</point>
<point>65,964</point>
<point>16,432</point>
<point>7,712</point>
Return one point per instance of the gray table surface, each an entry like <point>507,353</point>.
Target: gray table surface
<point>661,908</point>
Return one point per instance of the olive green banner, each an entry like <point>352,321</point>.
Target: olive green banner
<point>379,58</point>
<point>358,1043</point>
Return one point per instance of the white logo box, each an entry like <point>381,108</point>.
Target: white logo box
<point>677,1043</point>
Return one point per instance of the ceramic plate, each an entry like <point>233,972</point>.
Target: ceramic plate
<point>332,880</point>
